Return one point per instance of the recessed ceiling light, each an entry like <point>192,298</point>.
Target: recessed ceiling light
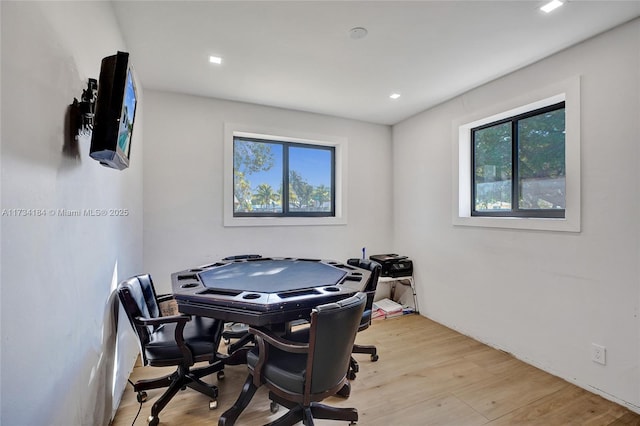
<point>358,32</point>
<point>552,5</point>
<point>215,59</point>
<point>394,95</point>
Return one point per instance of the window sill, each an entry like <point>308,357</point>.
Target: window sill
<point>528,223</point>
<point>284,221</point>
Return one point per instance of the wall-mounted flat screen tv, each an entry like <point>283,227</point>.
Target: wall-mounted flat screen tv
<point>115,112</point>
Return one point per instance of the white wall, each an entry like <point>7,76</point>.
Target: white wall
<point>543,296</point>
<point>58,273</point>
<point>183,194</point>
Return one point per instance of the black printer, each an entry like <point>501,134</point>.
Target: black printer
<point>394,265</point>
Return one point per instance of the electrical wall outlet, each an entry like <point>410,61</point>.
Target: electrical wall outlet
<point>598,354</point>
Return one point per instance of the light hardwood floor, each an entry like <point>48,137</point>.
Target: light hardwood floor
<point>427,374</point>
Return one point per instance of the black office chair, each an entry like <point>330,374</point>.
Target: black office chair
<point>237,330</point>
<point>370,289</point>
<point>301,374</point>
<point>178,340</point>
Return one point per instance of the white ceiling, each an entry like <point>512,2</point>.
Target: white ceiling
<point>299,55</point>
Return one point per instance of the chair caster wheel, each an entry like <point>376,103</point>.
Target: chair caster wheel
<point>351,375</point>
<point>220,375</point>
<point>374,357</point>
<point>227,341</point>
<point>141,397</point>
<point>345,391</point>
<point>153,421</point>
<point>274,407</point>
<point>213,404</point>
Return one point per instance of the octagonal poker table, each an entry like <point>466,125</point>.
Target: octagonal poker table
<point>264,291</point>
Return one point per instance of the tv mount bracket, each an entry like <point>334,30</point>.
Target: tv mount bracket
<point>79,119</point>
<point>82,112</point>
<point>86,107</point>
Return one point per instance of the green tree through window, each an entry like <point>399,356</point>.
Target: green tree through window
<point>262,168</point>
<point>520,158</point>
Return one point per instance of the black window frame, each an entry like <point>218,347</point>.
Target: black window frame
<point>515,210</point>
<point>285,179</point>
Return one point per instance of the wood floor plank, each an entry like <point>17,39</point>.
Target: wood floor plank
<point>427,374</point>
<point>569,406</point>
<point>508,391</point>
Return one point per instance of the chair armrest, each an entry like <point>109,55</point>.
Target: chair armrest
<point>279,342</point>
<point>164,320</point>
<point>164,297</point>
<point>180,320</point>
<point>266,338</point>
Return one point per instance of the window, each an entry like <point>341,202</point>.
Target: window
<point>279,178</point>
<point>473,175</point>
<point>518,165</point>
<point>260,162</point>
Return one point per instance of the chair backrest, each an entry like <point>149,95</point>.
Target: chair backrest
<point>332,333</point>
<point>375,268</point>
<point>138,298</point>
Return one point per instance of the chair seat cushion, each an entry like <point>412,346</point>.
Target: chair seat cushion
<point>199,335</point>
<point>284,370</point>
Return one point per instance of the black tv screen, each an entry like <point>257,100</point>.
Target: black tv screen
<point>115,112</point>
